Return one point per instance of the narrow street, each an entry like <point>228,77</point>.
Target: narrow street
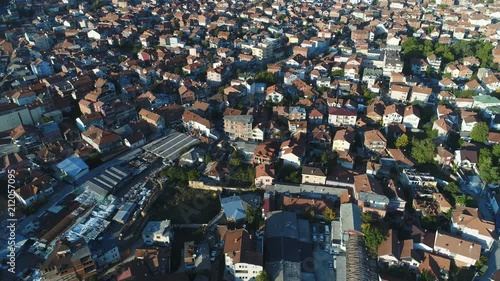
<point>493,263</point>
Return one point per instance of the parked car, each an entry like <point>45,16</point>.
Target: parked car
<point>331,265</point>
<point>314,238</point>
<point>321,237</point>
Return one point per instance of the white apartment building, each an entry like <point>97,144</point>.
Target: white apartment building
<point>158,233</point>
<point>241,261</point>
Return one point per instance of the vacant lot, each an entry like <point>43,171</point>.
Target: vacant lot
<point>184,205</point>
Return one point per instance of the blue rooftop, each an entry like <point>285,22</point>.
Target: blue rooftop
<point>73,166</point>
<point>234,207</point>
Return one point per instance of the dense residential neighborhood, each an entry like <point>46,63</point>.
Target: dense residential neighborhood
<point>250,140</point>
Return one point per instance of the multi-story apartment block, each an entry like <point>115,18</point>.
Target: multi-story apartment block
<point>341,117</point>
<point>411,117</point>
<point>465,253</point>
<point>392,62</point>
<point>101,140</point>
<point>375,141</point>
<point>193,121</point>
<point>217,76</point>
<point>68,263</point>
<point>158,233</point>
<point>265,153</point>
<point>243,262</point>
<point>343,139</point>
<point>393,114</point>
<point>239,126</point>
<point>155,120</point>
<point>421,94</point>
<point>434,62</point>
<point>399,93</point>
<point>313,175</point>
<point>471,226</point>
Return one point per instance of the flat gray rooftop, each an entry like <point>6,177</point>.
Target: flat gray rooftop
<point>170,146</point>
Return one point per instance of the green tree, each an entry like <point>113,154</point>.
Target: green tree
<point>426,276</point>
<point>479,132</point>
<point>328,215</point>
<point>452,188</point>
<point>483,260</point>
<point>373,237</point>
<point>484,53</point>
<point>263,276</point>
<point>367,94</point>
<point>496,150</point>
<point>235,161</point>
<point>429,132</point>
<point>465,94</point>
<point>465,200</point>
<point>328,158</point>
<point>310,213</point>
<point>250,215</point>
<point>423,150</point>
<point>208,158</point>
<point>402,141</point>
<point>265,77</point>
<point>444,51</point>
<point>46,119</point>
<point>412,48</point>
<point>338,73</point>
<point>489,169</point>
<point>193,175</point>
<point>290,174</point>
<point>429,29</point>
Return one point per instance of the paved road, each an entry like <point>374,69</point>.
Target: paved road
<point>493,263</point>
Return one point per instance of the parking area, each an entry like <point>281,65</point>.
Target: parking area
<point>323,259</point>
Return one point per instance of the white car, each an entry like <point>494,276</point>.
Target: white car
<point>314,238</point>
<point>327,248</point>
<point>321,237</point>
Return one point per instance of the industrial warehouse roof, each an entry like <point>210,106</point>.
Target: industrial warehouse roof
<point>108,180</point>
<point>170,146</point>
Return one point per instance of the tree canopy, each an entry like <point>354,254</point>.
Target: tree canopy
<point>423,151</point>
<point>265,77</point>
<point>251,215</point>
<point>479,132</point>
<point>328,215</point>
<point>489,166</point>
<point>263,276</point>
<point>415,48</point>
<point>402,141</point>
<point>373,234</point>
